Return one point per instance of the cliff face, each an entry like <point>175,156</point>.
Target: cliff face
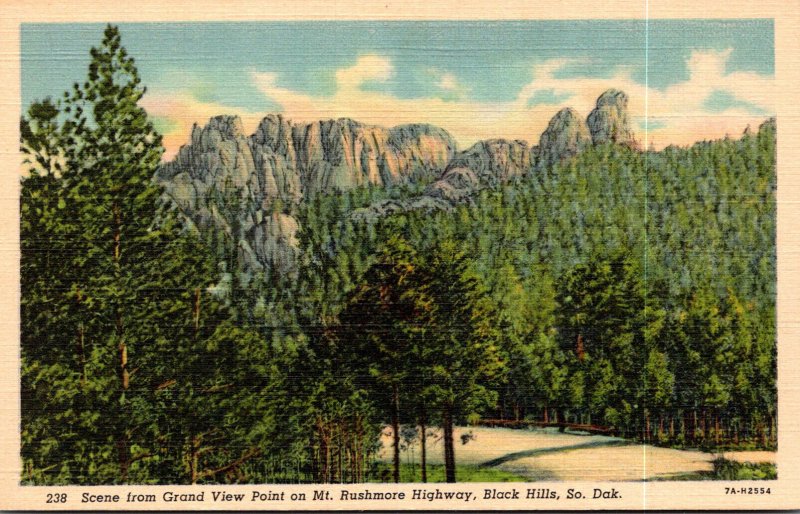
<point>565,136</point>
<point>608,122</point>
<point>247,186</point>
<point>343,154</point>
<point>485,164</point>
<point>287,161</point>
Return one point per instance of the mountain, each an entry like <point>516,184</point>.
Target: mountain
<point>608,122</point>
<point>565,136</point>
<point>485,164</point>
<point>248,187</point>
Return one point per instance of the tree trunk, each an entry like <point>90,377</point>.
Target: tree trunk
<point>396,431</point>
<point>328,460</point>
<point>124,374</point>
<point>706,425</point>
<point>703,425</point>
<point>324,451</point>
<point>449,450</point>
<point>341,459</point>
<point>685,422</point>
<point>684,425</point>
<point>196,312</point>
<point>123,451</point>
<point>194,458</point>
<point>579,351</point>
<point>124,458</point>
<point>117,232</point>
<point>423,422</point>
<point>82,346</point>
<point>122,437</point>
<point>773,435</point>
<point>359,456</point>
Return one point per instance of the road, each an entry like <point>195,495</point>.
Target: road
<point>546,454</point>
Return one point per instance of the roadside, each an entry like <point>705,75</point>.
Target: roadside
<point>547,454</point>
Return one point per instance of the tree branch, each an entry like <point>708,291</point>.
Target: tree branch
<point>253,452</point>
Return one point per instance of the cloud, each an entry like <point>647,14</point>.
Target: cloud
<point>368,68</point>
<point>468,121</point>
<point>446,85</point>
<point>679,114</point>
<point>721,101</point>
<point>175,114</point>
<point>448,82</point>
<point>685,109</point>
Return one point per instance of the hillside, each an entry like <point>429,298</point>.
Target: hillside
<point>248,188</point>
<point>266,307</point>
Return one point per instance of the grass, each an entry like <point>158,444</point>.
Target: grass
<point>725,469</point>
<point>412,473</point>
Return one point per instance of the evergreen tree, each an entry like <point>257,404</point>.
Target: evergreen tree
<point>123,289</point>
<point>461,354</point>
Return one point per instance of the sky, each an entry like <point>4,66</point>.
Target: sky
<point>687,80</point>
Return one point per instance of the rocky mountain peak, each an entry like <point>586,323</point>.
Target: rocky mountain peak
<point>608,122</point>
<point>485,164</point>
<point>247,186</point>
<point>224,126</point>
<point>613,98</point>
<point>565,136</point>
<point>272,130</point>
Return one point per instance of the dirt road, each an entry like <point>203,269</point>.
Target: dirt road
<point>546,454</point>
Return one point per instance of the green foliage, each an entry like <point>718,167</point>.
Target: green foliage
<point>629,289</point>
<point>124,350</point>
<point>725,469</point>
<point>420,324</point>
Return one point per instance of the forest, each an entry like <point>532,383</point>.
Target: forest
<point>626,289</point>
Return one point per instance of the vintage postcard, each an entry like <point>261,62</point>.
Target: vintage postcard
<point>330,256</point>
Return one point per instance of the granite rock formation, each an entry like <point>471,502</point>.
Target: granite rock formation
<point>246,186</point>
<point>608,122</point>
<point>565,136</point>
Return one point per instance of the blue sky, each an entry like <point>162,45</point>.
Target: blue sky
<point>510,76</point>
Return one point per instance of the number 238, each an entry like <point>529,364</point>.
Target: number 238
<point>57,498</point>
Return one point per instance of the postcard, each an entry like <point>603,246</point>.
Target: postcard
<point>403,256</point>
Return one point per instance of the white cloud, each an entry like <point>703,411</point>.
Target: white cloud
<point>679,107</point>
<point>366,69</point>
<point>184,111</point>
<point>448,82</point>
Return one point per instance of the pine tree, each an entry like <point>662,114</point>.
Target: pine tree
<point>126,293</point>
<point>461,350</point>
